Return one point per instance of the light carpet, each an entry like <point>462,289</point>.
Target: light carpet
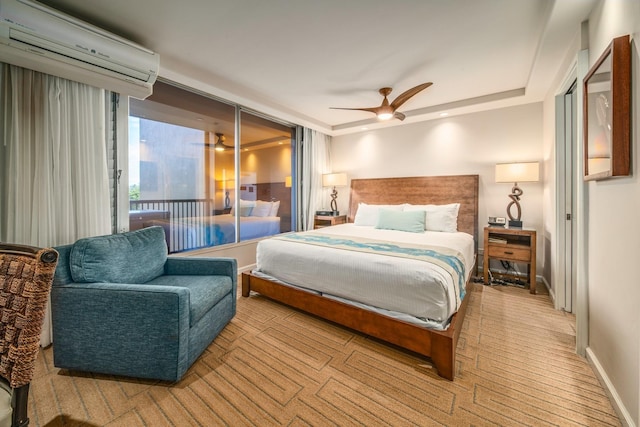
<point>274,366</point>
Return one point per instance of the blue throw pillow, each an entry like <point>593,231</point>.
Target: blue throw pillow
<point>133,257</point>
<point>412,221</point>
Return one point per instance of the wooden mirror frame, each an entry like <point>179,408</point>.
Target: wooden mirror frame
<point>607,113</point>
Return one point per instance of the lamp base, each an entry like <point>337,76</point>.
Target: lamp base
<point>514,223</point>
<point>335,213</point>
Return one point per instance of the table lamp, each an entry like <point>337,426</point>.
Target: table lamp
<point>517,172</point>
<point>334,180</point>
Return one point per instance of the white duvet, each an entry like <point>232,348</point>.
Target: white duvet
<point>406,288</point>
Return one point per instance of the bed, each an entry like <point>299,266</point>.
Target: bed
<point>205,231</point>
<point>436,340</point>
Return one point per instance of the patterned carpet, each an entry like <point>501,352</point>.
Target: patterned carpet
<point>275,366</point>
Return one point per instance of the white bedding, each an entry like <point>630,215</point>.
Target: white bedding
<point>401,287</point>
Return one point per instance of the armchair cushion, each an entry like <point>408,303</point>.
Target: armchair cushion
<point>204,291</point>
<point>135,257</point>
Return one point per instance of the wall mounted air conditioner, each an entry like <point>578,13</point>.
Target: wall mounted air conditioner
<point>40,38</point>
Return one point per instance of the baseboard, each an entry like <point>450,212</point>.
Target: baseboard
<point>552,294</point>
<point>618,406</point>
<point>246,268</point>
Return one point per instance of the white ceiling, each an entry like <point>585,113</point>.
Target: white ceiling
<point>296,58</point>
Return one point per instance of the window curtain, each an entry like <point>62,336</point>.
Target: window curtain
<point>315,161</point>
<point>54,185</point>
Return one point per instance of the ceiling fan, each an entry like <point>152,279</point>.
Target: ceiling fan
<point>387,110</point>
<point>219,145</point>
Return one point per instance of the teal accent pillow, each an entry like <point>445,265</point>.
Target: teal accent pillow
<point>411,221</point>
<point>245,210</point>
<point>133,257</point>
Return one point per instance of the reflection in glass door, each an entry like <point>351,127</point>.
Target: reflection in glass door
<point>183,161</point>
<point>265,186</point>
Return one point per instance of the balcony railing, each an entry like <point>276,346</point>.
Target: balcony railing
<point>183,220</point>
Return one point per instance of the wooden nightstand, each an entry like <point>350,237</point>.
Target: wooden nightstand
<point>511,244</point>
<point>221,211</point>
<point>328,220</point>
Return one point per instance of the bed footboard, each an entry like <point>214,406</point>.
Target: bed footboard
<point>439,346</point>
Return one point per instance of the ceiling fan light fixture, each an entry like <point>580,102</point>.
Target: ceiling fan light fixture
<point>385,112</point>
<point>219,145</point>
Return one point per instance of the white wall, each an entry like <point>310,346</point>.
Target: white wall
<point>614,232</point>
<point>243,252</point>
<point>465,144</point>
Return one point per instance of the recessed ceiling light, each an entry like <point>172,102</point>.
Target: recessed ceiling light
<point>364,128</point>
<point>444,114</point>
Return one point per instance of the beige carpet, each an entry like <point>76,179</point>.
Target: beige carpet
<point>275,366</point>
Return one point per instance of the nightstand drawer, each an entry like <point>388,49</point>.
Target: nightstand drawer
<point>510,253</point>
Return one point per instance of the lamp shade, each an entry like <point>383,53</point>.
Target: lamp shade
<point>287,181</point>
<point>518,172</point>
<point>598,164</point>
<point>334,179</point>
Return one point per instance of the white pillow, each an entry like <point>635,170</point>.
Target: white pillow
<point>274,208</point>
<point>439,217</point>
<point>262,208</point>
<point>368,214</point>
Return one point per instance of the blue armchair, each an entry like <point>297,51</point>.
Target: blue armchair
<point>120,306</point>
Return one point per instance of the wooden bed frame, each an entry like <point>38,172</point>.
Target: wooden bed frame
<point>439,346</point>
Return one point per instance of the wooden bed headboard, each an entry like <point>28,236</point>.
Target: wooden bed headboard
<point>421,190</point>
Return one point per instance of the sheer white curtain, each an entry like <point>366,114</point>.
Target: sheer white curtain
<point>54,185</point>
<point>315,161</point>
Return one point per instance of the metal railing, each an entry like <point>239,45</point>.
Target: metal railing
<point>183,221</point>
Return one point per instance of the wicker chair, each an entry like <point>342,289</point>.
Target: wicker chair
<point>26,275</point>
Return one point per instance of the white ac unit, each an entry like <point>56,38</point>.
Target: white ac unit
<point>40,38</point>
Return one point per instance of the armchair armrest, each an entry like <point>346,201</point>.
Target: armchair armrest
<point>202,266</point>
<point>122,329</point>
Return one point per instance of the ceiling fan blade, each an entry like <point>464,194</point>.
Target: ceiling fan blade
<point>404,96</point>
<point>398,115</point>
<point>370,109</point>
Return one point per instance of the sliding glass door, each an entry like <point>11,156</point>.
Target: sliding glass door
<point>193,174</point>
<point>265,175</point>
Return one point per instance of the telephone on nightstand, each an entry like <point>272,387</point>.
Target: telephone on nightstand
<point>497,221</point>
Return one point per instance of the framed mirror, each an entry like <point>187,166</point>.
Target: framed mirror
<point>607,102</point>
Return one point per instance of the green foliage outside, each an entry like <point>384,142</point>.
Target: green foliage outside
<point>134,192</point>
